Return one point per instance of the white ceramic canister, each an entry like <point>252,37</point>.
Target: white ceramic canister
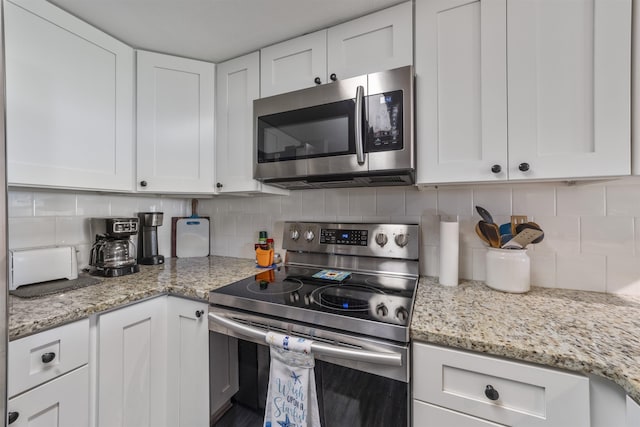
<point>508,270</point>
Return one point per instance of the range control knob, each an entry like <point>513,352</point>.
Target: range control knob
<point>309,235</point>
<point>402,314</point>
<point>382,310</point>
<point>402,240</point>
<point>381,239</point>
<point>294,234</point>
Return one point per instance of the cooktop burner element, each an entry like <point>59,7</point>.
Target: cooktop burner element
<point>367,288</point>
<point>344,297</point>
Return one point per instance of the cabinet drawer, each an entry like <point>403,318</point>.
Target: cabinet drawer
<point>426,415</point>
<point>67,346</point>
<point>63,402</point>
<point>499,390</point>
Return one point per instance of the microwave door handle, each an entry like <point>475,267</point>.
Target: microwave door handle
<point>380,358</point>
<point>359,130</point>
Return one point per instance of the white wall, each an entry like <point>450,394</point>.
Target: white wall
<point>592,230</point>
<point>46,218</point>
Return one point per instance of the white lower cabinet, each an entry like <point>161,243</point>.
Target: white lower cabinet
<point>223,354</point>
<point>188,363</point>
<point>153,364</point>
<point>48,378</point>
<point>132,365</point>
<point>633,413</point>
<point>425,414</point>
<point>485,390</point>
<point>62,402</point>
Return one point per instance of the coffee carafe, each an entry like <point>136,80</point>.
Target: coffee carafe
<point>113,252</point>
<point>148,238</point>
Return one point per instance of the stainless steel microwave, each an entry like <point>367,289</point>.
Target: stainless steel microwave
<point>350,133</point>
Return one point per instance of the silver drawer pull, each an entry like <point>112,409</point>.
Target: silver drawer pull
<point>392,359</point>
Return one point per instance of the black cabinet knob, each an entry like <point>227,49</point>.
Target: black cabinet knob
<point>143,183</point>
<point>199,313</point>
<point>317,80</point>
<point>13,416</point>
<point>491,393</point>
<point>496,169</point>
<point>48,357</point>
<point>218,185</point>
<point>333,77</point>
<point>523,167</point>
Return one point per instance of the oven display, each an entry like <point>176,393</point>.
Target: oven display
<point>344,237</point>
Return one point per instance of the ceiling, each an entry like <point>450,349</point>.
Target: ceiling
<point>214,30</point>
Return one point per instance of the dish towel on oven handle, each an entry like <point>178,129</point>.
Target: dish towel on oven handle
<point>291,398</point>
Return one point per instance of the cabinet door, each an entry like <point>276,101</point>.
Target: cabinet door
<point>461,102</point>
<point>426,415</point>
<point>376,42</point>
<point>132,365</point>
<point>223,355</point>
<point>175,124</point>
<point>187,363</point>
<point>633,413</point>
<point>238,84</point>
<point>293,64</point>
<point>69,101</point>
<point>569,88</point>
<point>63,402</point>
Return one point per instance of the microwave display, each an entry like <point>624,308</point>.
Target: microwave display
<point>384,123</point>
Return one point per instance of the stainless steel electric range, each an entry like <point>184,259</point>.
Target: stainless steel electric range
<point>350,288</point>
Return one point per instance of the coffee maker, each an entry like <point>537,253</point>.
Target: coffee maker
<point>113,252</point>
<point>148,238</point>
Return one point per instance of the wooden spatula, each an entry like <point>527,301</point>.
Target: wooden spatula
<point>515,220</point>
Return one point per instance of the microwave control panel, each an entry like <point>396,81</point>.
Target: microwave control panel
<point>384,121</point>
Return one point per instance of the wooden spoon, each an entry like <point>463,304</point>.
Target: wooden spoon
<point>491,232</point>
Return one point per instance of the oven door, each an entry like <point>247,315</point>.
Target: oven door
<point>315,131</point>
<point>359,381</point>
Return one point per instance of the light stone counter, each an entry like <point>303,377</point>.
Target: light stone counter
<point>587,332</point>
<point>187,277</point>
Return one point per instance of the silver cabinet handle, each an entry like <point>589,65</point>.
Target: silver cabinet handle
<point>392,359</point>
<point>359,136</point>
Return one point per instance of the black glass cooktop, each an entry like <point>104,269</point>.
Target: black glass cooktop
<point>358,302</point>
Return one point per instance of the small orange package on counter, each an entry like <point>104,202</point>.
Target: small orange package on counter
<point>264,257</point>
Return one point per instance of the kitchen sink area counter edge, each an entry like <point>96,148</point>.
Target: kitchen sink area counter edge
<point>585,332</point>
<point>184,277</point>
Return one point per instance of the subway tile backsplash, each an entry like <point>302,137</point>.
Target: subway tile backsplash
<point>46,218</point>
<point>592,230</point>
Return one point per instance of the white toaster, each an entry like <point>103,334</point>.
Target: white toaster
<point>37,265</point>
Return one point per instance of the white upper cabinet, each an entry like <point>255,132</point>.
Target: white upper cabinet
<point>526,89</point>
<point>69,101</point>
<point>175,124</point>
<point>375,42</point>
<point>569,66</point>
<point>294,64</point>
<point>461,105</point>
<point>238,84</point>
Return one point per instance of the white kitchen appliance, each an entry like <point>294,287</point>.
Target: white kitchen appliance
<point>35,265</point>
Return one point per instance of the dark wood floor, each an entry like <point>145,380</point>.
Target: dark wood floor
<point>240,416</point>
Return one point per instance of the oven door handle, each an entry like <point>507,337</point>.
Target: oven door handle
<point>380,358</point>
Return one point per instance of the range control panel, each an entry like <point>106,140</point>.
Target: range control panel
<point>344,237</point>
<point>379,240</point>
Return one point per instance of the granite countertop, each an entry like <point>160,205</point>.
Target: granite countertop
<point>187,277</point>
<point>586,332</point>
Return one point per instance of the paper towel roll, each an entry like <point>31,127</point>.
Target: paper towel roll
<point>449,244</point>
